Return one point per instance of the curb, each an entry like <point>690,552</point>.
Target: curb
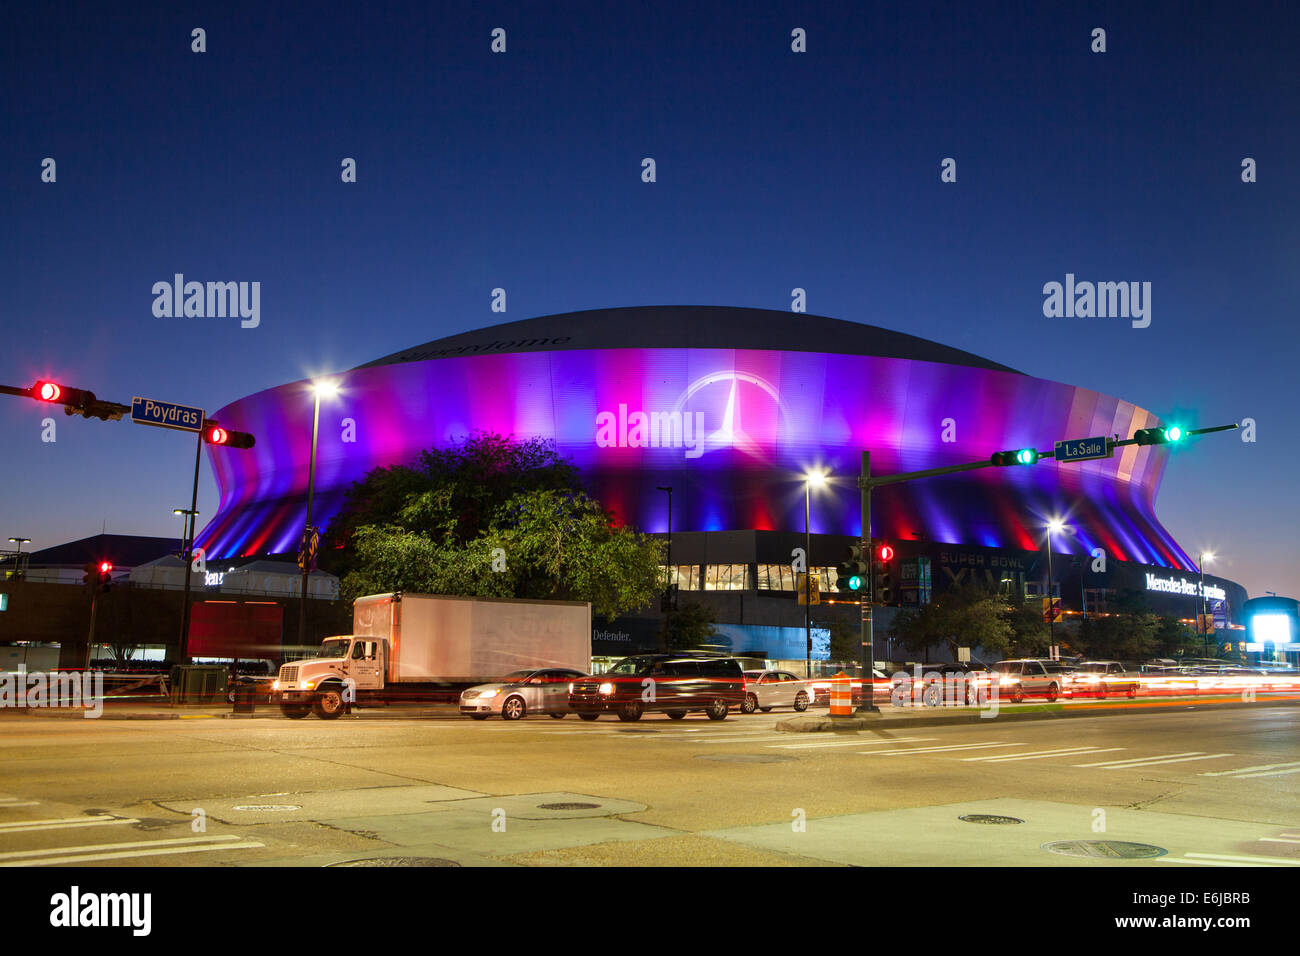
<point>805,724</point>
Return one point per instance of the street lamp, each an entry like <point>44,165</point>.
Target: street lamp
<point>1055,524</point>
<point>1205,556</point>
<point>811,479</point>
<point>319,390</point>
<point>672,572</point>
<point>188,515</point>
<point>18,555</point>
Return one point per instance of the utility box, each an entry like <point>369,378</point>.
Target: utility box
<point>199,683</point>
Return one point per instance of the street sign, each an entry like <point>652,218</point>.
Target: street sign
<point>809,588</point>
<point>1083,449</point>
<point>145,411</point>
<point>1052,610</point>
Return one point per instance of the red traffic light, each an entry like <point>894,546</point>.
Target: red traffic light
<point>105,567</point>
<point>886,553</point>
<point>46,391</point>
<point>216,435</point>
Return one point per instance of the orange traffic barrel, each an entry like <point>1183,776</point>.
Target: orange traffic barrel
<point>841,695</point>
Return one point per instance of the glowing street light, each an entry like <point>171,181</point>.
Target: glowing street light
<point>811,479</point>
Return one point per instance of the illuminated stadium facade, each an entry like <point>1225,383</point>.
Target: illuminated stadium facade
<point>731,408</point>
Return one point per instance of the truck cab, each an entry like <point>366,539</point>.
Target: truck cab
<point>329,682</point>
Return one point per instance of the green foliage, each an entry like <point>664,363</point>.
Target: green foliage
<point>490,518</point>
<point>1133,632</point>
<point>845,642</point>
<point>1031,636</point>
<point>688,627</point>
<point>970,616</point>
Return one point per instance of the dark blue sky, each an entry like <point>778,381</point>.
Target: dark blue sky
<point>775,170</point>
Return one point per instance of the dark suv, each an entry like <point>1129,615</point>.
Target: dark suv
<point>674,684</point>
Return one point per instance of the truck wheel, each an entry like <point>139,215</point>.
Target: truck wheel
<point>717,709</point>
<point>295,711</point>
<point>328,704</point>
<point>801,702</point>
<point>559,716</point>
<point>750,705</point>
<point>514,708</point>
<point>588,716</point>
<point>630,711</point>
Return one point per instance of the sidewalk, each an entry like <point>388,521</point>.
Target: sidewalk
<point>148,710</point>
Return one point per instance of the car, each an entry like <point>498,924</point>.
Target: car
<point>1100,678</point>
<point>518,694</point>
<point>951,682</point>
<point>1028,677</point>
<point>673,684</point>
<point>821,686</point>
<point>767,689</point>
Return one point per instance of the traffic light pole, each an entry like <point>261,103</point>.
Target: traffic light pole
<point>183,649</point>
<point>867,705</point>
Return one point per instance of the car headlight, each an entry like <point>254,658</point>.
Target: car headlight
<point>607,688</point>
<point>485,694</point>
<point>570,688</point>
<point>275,685</point>
<point>308,685</point>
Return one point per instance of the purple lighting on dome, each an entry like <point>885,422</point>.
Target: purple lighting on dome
<point>731,430</point>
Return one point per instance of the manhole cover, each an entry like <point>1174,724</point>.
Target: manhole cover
<point>989,818</point>
<point>568,806</point>
<point>397,861</point>
<point>267,807</point>
<point>744,758</point>
<point>1105,849</point>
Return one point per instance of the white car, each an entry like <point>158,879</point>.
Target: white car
<point>767,689</point>
<point>540,691</point>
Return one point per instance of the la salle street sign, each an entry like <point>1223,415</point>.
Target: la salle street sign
<point>1083,449</point>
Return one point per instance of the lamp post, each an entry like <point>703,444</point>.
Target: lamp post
<point>18,555</point>
<point>812,478</point>
<point>672,571</point>
<point>1056,524</point>
<point>187,516</point>
<point>1205,556</point>
<point>318,389</point>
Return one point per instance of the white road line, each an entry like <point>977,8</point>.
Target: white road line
<point>1105,763</point>
<point>1265,860</point>
<point>1161,762</point>
<point>849,743</point>
<point>25,826</point>
<point>1277,840</point>
<point>5,805</point>
<point>1043,755</point>
<point>1174,859</point>
<point>1269,773</point>
<point>60,860</point>
<point>1262,766</point>
<point>935,750</point>
<point>95,847</point>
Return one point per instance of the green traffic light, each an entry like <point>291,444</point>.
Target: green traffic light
<point>855,583</point>
<point>1026,456</point>
<point>1174,433</point>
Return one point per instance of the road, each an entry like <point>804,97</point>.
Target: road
<point>1209,786</point>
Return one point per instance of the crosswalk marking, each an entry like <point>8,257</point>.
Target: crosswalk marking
<point>849,743</point>
<point>166,851</point>
<point>135,844</point>
<point>1176,859</point>
<point>65,823</point>
<point>1156,761</point>
<point>1277,840</point>
<point>1042,754</point>
<point>1259,770</point>
<point>1257,860</point>
<point>934,750</point>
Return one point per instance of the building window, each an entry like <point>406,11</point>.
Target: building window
<point>685,576</point>
<point>726,577</point>
<point>780,577</point>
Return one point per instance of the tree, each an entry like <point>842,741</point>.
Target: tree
<point>845,641</point>
<point>1030,634</point>
<point>970,616</point>
<point>491,518</point>
<point>688,627</point>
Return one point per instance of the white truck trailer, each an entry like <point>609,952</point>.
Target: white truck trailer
<point>409,645</point>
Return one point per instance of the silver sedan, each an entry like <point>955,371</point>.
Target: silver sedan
<point>538,691</point>
<point>767,689</point>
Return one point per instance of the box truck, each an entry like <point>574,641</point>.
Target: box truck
<point>410,645</point>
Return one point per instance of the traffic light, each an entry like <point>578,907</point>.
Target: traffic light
<point>1020,456</point>
<point>56,394</point>
<point>91,578</point>
<point>216,435</point>
<point>851,574</point>
<point>886,574</point>
<point>1169,435</point>
<point>104,572</point>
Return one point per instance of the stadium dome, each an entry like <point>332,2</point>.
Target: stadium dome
<point>731,407</point>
